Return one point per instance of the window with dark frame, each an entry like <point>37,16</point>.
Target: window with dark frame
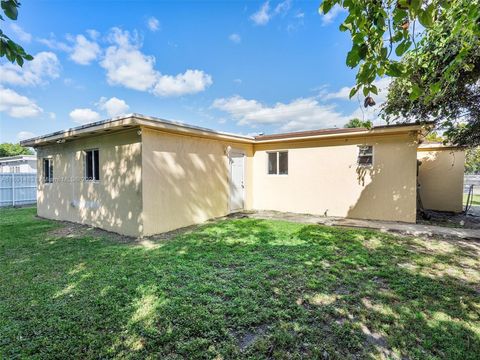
<point>365,155</point>
<point>278,163</point>
<point>92,167</point>
<point>47,170</point>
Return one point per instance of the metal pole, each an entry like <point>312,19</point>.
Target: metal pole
<point>13,189</point>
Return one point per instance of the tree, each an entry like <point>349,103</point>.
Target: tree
<point>472,161</point>
<point>357,123</point>
<point>13,51</point>
<point>8,149</point>
<point>431,89</point>
<point>436,72</point>
<point>434,137</point>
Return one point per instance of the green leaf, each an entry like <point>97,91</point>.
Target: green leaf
<point>325,6</point>
<point>19,60</point>
<point>415,6</point>
<point>28,57</point>
<point>10,9</point>
<point>353,92</point>
<point>415,92</point>
<point>426,16</point>
<point>345,26</point>
<point>435,87</point>
<point>352,57</point>
<point>362,51</point>
<point>394,69</point>
<point>403,47</point>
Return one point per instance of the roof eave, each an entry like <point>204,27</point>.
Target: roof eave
<point>129,121</point>
<point>372,132</point>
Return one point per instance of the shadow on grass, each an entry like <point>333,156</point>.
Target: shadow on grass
<point>235,289</point>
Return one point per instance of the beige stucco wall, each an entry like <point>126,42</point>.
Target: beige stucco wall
<point>323,178</point>
<point>114,203</point>
<point>186,179</point>
<point>441,179</point>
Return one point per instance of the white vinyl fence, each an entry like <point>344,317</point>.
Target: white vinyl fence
<point>18,189</point>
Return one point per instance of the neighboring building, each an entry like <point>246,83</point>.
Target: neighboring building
<point>140,176</point>
<point>18,164</point>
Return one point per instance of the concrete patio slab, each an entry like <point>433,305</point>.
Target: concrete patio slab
<point>384,226</point>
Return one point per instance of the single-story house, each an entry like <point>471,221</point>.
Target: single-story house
<point>139,175</point>
<point>18,164</point>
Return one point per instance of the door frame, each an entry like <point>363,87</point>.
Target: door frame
<point>238,153</point>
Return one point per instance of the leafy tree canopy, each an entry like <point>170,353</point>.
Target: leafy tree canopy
<point>357,123</point>
<point>434,137</point>
<point>472,161</point>
<point>13,51</point>
<point>7,149</point>
<point>436,73</point>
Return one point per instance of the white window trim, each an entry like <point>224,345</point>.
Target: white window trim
<point>278,162</point>
<point>93,165</point>
<point>373,156</point>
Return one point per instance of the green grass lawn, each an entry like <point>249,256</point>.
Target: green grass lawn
<point>235,289</point>
<point>476,199</point>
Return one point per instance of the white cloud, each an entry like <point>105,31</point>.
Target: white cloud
<point>153,24</point>
<point>299,114</point>
<point>84,116</point>
<point>54,44</point>
<point>332,15</point>
<point>235,38</point>
<point>20,33</point>
<point>94,34</point>
<point>84,51</point>
<point>371,113</point>
<point>344,93</point>
<point>113,106</point>
<point>262,16</point>
<point>283,7</point>
<point>126,65</point>
<point>43,67</point>
<point>23,135</point>
<point>237,81</point>
<point>16,105</point>
<point>190,82</point>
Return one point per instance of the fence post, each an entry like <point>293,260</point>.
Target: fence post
<point>13,189</point>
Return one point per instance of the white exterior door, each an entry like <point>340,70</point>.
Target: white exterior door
<point>237,183</point>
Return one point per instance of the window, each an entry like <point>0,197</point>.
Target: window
<point>365,155</point>
<point>48,170</point>
<point>92,168</point>
<point>278,163</point>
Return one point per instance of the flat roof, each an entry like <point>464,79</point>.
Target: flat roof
<point>139,120</point>
<point>18,157</point>
<point>437,146</point>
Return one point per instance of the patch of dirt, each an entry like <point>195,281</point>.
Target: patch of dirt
<point>68,230</point>
<point>452,220</point>
<point>171,234</point>
<point>250,337</point>
<point>74,230</point>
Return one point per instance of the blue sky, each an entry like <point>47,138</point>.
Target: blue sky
<point>237,66</point>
